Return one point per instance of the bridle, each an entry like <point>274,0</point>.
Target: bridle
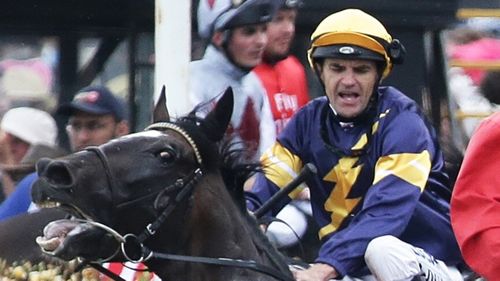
<point>131,243</point>
<point>132,246</point>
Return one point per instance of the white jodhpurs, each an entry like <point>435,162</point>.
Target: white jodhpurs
<point>291,227</point>
<point>390,259</point>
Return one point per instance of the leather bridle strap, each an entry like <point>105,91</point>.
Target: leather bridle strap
<point>105,163</point>
<point>174,187</point>
<point>227,262</point>
<point>186,191</point>
<point>162,126</point>
<point>247,264</point>
<point>132,247</point>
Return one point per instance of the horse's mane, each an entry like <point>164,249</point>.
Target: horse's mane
<point>225,155</point>
<point>235,169</point>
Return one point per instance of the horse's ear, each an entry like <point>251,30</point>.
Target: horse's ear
<point>216,122</point>
<point>160,113</point>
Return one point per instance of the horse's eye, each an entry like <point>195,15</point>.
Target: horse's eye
<point>167,157</point>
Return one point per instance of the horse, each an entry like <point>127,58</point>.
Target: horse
<point>170,197</point>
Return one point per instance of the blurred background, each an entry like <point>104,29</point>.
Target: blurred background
<point>49,49</point>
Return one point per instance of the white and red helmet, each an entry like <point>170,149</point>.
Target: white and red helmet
<point>216,15</point>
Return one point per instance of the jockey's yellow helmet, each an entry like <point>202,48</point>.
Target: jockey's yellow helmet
<point>354,34</point>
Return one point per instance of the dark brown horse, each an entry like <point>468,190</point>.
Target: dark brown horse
<point>165,196</point>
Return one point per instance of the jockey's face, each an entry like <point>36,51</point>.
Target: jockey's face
<point>245,45</point>
<point>86,129</point>
<point>348,84</point>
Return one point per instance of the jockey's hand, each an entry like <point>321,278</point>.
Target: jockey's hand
<point>262,226</point>
<point>305,194</point>
<point>317,272</point>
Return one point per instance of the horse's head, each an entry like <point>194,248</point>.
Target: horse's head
<point>122,186</point>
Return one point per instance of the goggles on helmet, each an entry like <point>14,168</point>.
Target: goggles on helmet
<point>343,51</point>
<point>291,4</point>
<point>246,13</point>
<point>354,34</point>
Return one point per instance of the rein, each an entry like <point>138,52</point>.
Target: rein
<point>132,246</point>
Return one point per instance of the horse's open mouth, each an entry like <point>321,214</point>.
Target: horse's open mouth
<point>55,233</point>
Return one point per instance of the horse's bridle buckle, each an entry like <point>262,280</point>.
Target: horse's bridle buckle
<point>150,229</point>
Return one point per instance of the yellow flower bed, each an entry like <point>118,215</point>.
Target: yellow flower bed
<point>55,271</point>
<point>44,271</point>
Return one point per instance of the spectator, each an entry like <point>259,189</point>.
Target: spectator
<point>237,36</point>
<point>282,74</point>
<point>284,79</point>
<point>23,175</point>
<point>21,128</point>
<point>378,162</point>
<point>485,49</point>
<point>27,165</point>
<point>469,50</point>
<point>95,117</point>
<point>475,203</point>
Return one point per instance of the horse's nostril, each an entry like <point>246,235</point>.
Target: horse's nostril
<point>42,164</point>
<point>57,173</point>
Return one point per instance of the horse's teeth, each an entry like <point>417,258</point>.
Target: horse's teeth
<point>48,204</point>
<point>48,245</point>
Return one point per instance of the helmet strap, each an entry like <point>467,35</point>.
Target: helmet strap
<point>223,47</point>
<point>230,57</point>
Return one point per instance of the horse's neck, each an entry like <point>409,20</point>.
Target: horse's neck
<point>218,226</point>
<point>214,228</point>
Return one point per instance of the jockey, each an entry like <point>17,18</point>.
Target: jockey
<point>236,32</point>
<point>377,159</point>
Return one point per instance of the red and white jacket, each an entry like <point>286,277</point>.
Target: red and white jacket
<point>286,86</point>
